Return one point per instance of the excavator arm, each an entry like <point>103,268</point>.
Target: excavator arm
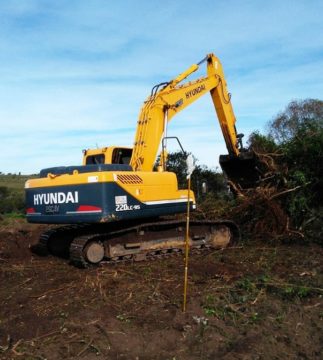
<point>168,99</point>
<point>162,105</point>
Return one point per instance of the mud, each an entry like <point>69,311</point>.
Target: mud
<point>254,301</point>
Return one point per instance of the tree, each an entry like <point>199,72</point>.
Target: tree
<point>298,113</point>
<point>299,133</point>
<point>176,162</point>
<point>293,147</point>
<point>214,182</point>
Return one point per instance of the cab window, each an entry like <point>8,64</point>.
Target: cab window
<point>121,156</point>
<point>95,159</point>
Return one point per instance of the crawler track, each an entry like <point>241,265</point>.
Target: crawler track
<point>86,245</point>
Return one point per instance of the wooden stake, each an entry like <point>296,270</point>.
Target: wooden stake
<point>187,243</point>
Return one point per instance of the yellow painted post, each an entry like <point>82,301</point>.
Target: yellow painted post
<point>187,243</point>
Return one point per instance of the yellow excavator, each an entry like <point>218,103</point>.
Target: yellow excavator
<point>116,206</point>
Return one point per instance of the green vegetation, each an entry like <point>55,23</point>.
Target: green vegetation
<point>247,300</point>
<point>12,200</point>
<point>14,181</point>
<point>294,143</point>
<point>209,186</point>
<point>204,180</point>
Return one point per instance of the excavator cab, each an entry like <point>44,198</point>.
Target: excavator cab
<point>107,155</point>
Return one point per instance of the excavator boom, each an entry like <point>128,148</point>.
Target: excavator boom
<point>161,106</point>
<point>174,96</point>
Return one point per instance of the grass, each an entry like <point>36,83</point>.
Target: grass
<point>12,193</point>
<point>12,216</point>
<point>14,181</point>
<point>247,301</point>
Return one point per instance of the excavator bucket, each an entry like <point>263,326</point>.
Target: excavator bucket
<point>241,170</point>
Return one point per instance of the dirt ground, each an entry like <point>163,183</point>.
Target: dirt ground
<point>254,301</point>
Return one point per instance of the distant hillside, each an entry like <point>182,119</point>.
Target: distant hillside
<point>13,181</point>
<point>12,198</point>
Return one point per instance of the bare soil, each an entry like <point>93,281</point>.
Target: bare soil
<point>254,301</point>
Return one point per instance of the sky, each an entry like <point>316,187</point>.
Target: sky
<point>74,74</point>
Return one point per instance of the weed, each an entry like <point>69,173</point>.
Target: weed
<point>146,271</point>
<point>123,318</point>
<point>202,323</point>
<point>222,312</point>
<point>209,311</point>
<point>303,292</point>
<point>210,299</point>
<point>264,279</point>
<point>211,307</point>
<point>246,284</point>
<point>290,291</point>
<point>13,215</point>
<point>255,317</point>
